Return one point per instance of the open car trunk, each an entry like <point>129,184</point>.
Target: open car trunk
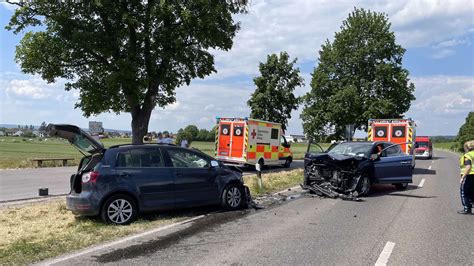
<point>85,144</point>
<point>76,136</point>
<point>86,165</point>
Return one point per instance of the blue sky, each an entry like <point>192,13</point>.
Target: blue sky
<point>438,37</point>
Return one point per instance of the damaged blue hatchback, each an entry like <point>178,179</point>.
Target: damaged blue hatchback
<point>120,182</point>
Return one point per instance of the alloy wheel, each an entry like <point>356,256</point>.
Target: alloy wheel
<point>234,197</point>
<point>120,211</point>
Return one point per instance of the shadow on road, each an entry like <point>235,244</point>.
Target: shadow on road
<point>381,190</point>
<point>424,171</point>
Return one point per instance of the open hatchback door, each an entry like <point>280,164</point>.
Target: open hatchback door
<point>76,136</point>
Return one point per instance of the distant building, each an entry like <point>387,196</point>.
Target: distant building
<point>18,133</point>
<point>2,133</point>
<point>38,134</point>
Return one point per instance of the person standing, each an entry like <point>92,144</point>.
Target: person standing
<point>167,139</point>
<point>467,177</point>
<point>160,138</point>
<point>184,143</point>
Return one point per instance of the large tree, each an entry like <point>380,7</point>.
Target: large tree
<point>359,76</point>
<point>466,131</point>
<point>273,99</point>
<point>123,56</point>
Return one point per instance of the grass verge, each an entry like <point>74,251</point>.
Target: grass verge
<point>44,230</point>
<point>273,182</point>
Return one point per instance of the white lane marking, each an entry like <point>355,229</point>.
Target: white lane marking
<point>429,167</point>
<point>432,161</point>
<point>120,241</point>
<point>421,183</point>
<point>386,252</point>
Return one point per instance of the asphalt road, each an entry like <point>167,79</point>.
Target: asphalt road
<point>418,226</point>
<point>20,184</point>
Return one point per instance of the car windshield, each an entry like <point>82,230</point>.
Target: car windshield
<point>422,144</point>
<point>352,149</point>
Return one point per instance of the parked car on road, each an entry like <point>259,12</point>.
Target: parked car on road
<point>122,181</point>
<point>352,167</point>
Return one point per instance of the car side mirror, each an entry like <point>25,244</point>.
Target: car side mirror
<point>214,164</point>
<point>374,156</point>
<point>417,145</point>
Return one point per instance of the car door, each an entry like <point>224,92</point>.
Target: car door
<point>145,168</point>
<point>393,166</point>
<point>194,179</point>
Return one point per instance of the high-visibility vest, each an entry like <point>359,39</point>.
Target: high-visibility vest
<point>469,156</point>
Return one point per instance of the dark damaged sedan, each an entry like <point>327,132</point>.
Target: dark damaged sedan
<point>350,168</point>
<point>122,181</point>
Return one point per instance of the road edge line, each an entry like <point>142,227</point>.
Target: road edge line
<point>385,255</point>
<point>422,182</point>
<point>116,242</point>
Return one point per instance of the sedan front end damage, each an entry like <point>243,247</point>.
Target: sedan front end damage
<point>333,177</point>
<point>349,169</point>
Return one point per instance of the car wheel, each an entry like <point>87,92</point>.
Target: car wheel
<point>119,209</point>
<point>401,186</point>
<point>233,197</point>
<point>365,186</point>
<point>287,163</point>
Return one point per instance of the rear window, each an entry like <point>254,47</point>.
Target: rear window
<point>398,132</point>
<point>380,132</point>
<point>140,158</point>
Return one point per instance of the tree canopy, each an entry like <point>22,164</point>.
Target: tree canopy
<point>123,56</point>
<point>466,131</point>
<point>273,99</point>
<point>359,76</point>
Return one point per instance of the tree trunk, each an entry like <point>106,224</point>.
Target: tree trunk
<point>140,121</point>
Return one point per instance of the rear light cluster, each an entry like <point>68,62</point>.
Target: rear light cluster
<point>90,177</point>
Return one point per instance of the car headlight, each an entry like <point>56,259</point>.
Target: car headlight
<point>426,152</point>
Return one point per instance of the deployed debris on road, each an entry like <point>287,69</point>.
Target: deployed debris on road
<point>250,202</point>
<point>327,190</point>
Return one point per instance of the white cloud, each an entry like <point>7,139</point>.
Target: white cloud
<point>447,48</point>
<point>298,27</point>
<point>200,104</point>
<point>442,103</point>
<point>451,43</point>
<point>443,53</point>
<point>422,22</point>
<point>28,88</point>
<point>301,27</point>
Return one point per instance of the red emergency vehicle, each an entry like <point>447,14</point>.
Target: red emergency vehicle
<point>424,147</point>
<point>393,130</point>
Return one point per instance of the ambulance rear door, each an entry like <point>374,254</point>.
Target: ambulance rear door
<point>380,131</point>
<point>223,147</point>
<point>399,134</point>
<point>237,140</point>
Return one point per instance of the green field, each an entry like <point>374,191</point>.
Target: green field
<point>17,152</point>
<point>444,145</point>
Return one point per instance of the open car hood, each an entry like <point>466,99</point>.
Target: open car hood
<point>76,136</point>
